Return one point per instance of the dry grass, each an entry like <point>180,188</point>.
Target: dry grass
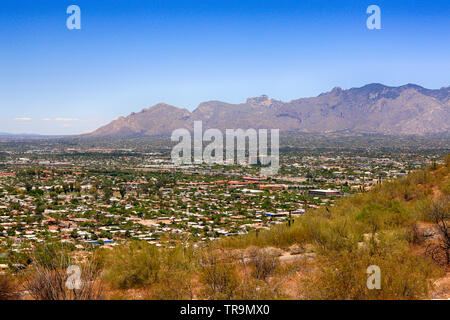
<point>8,288</point>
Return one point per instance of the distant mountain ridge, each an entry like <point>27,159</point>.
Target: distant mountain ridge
<point>7,134</point>
<point>374,108</point>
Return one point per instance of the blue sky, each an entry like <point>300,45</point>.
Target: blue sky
<point>130,55</point>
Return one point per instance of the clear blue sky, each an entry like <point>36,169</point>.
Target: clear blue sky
<point>132,54</point>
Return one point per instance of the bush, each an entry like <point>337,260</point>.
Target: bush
<point>177,285</point>
<point>8,288</point>
<point>51,271</point>
<point>52,255</point>
<point>439,212</point>
<point>342,275</point>
<point>253,289</point>
<point>381,216</point>
<point>133,265</point>
<point>445,187</point>
<point>140,264</point>
<point>219,276</point>
<point>46,284</point>
<point>415,235</point>
<point>264,262</point>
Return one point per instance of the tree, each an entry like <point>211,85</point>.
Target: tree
<point>28,186</point>
<point>267,204</point>
<point>39,209</point>
<point>123,191</point>
<point>15,206</point>
<point>94,192</point>
<point>107,192</point>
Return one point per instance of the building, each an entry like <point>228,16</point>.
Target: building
<point>272,187</point>
<point>324,192</point>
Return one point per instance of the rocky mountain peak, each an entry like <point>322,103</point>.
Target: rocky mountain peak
<point>261,100</point>
<point>373,108</point>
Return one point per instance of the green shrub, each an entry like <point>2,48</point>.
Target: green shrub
<point>391,214</point>
<point>342,274</point>
<point>175,285</point>
<point>53,255</point>
<point>133,265</point>
<point>140,264</point>
<point>444,186</point>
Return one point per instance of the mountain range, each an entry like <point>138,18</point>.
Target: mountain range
<point>374,108</point>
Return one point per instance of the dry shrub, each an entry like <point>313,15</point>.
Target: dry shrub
<point>49,276</point>
<point>253,289</point>
<point>439,213</point>
<point>223,279</point>
<point>415,235</point>
<point>264,262</point>
<point>444,186</point>
<point>47,284</point>
<point>218,275</point>
<point>8,288</point>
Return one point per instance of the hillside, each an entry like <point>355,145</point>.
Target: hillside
<point>374,108</point>
<point>322,255</point>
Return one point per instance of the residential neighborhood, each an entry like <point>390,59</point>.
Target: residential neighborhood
<point>105,196</point>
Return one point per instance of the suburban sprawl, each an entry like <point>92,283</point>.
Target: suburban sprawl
<point>102,196</point>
